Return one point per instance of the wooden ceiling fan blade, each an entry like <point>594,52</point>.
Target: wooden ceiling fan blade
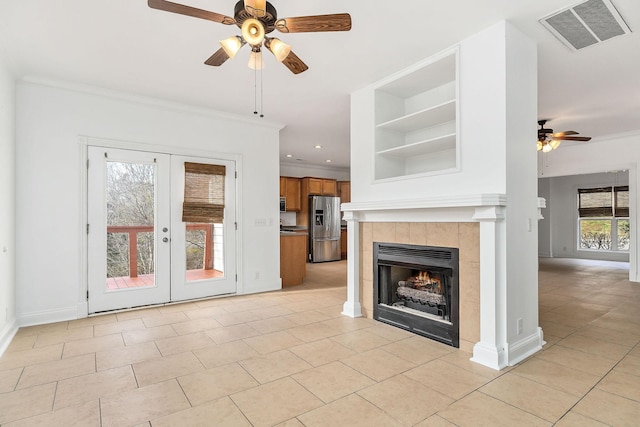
<point>565,133</point>
<point>317,23</point>
<point>574,138</point>
<point>182,9</point>
<point>294,64</point>
<point>217,58</point>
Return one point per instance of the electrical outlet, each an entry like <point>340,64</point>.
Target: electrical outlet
<point>257,275</point>
<point>519,327</point>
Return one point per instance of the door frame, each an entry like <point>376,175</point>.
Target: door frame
<point>83,143</point>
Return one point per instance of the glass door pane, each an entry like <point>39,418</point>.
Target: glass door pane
<point>130,197</point>
<point>204,251</point>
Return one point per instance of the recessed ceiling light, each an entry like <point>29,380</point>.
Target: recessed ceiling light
<point>289,155</point>
<point>318,146</point>
<point>328,160</point>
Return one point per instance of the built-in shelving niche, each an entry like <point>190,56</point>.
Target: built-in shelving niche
<point>416,120</point>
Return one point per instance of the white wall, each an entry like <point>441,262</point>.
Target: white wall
<point>521,189</point>
<point>616,152</point>
<point>7,207</point>
<point>49,197</point>
<point>562,221</point>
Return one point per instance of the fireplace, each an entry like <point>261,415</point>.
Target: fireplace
<point>416,289</point>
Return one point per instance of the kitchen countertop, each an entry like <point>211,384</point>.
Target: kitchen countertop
<point>293,230</point>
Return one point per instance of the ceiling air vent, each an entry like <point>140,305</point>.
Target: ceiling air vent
<point>586,24</point>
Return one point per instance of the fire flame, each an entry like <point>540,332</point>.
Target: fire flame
<point>424,279</point>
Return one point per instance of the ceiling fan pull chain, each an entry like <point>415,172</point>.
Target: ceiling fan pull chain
<point>261,96</point>
<point>255,91</point>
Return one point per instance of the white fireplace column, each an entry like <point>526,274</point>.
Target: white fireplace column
<point>352,307</point>
<point>490,350</point>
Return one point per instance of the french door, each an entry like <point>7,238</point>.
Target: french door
<point>140,252</point>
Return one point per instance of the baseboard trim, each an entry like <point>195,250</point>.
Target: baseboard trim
<point>82,310</point>
<point>489,356</point>
<point>270,288</point>
<point>526,347</point>
<point>7,334</point>
<point>49,316</point>
<point>351,309</point>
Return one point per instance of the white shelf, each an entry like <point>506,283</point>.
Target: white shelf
<point>416,120</point>
<point>424,118</point>
<point>433,145</point>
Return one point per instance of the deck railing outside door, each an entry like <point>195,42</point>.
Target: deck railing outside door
<point>133,231</point>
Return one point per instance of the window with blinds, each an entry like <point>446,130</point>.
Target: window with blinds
<point>203,193</point>
<point>603,202</point>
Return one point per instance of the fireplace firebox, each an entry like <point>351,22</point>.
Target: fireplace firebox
<point>416,289</point>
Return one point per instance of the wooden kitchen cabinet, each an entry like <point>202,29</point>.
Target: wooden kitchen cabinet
<point>320,186</point>
<point>344,191</point>
<point>290,189</point>
<point>313,187</point>
<point>329,187</point>
<point>343,244</point>
<point>293,259</point>
<point>283,186</point>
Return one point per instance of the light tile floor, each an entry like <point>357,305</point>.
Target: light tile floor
<point>289,358</point>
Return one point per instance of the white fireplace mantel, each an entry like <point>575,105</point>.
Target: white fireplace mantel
<point>445,208</point>
<point>435,202</point>
<point>489,211</point>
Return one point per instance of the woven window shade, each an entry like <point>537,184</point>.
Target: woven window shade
<point>203,193</point>
<point>604,202</point>
<point>595,202</point>
<point>621,201</point>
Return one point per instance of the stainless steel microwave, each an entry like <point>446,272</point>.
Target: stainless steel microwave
<point>283,204</point>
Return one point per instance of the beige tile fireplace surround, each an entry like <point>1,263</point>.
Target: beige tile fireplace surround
<point>462,235</point>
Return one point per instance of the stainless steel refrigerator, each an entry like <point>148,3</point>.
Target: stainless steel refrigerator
<point>324,228</point>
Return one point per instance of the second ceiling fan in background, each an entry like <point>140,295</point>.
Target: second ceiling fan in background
<point>257,19</point>
<point>548,140</point>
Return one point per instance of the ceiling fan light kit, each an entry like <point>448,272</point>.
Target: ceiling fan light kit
<point>279,48</point>
<point>255,60</point>
<point>253,32</point>
<point>257,8</point>
<point>232,45</point>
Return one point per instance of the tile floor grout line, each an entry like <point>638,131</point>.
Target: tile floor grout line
<point>516,407</point>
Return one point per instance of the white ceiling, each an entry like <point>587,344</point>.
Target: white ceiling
<point>123,45</point>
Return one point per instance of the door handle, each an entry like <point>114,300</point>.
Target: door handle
<point>165,239</point>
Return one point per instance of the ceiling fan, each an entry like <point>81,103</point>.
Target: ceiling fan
<point>256,19</point>
<point>548,140</point>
